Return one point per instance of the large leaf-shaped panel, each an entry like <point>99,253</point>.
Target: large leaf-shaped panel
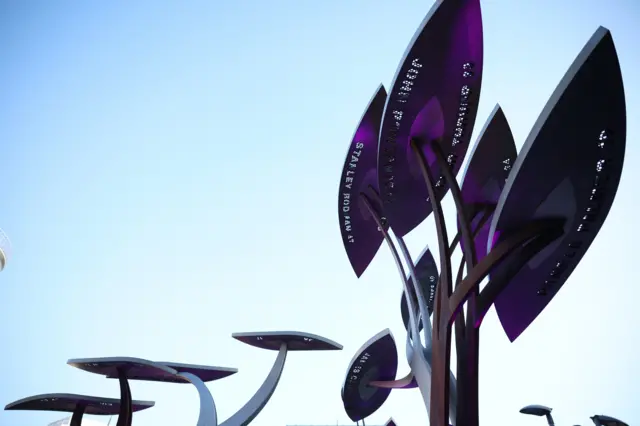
<point>427,274</point>
<point>485,177</point>
<point>569,167</point>
<point>376,360</point>
<point>434,97</point>
<point>360,234</point>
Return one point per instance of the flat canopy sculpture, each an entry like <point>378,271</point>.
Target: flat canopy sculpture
<point>168,372</point>
<point>122,368</point>
<point>79,405</point>
<point>283,342</point>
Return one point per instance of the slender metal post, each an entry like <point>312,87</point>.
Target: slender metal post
<point>467,354</point>
<point>441,354</point>
<point>78,413</point>
<point>125,416</point>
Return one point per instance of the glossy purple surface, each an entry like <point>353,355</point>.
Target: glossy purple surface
<point>377,359</point>
<point>204,372</point>
<point>134,368</point>
<point>66,402</point>
<point>295,340</point>
<point>360,234</point>
<point>487,171</point>
<point>434,96</point>
<point>427,272</point>
<point>570,167</point>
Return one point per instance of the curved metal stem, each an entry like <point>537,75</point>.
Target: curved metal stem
<point>417,288</point>
<point>413,323</point>
<point>125,416</point>
<point>441,353</point>
<point>76,418</point>
<point>208,415</point>
<point>468,351</point>
<point>252,408</point>
<point>418,361</point>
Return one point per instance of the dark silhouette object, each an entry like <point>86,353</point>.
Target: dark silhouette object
<point>79,405</point>
<point>539,410</point>
<point>601,420</point>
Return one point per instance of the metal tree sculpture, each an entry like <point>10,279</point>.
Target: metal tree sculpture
<point>524,220</point>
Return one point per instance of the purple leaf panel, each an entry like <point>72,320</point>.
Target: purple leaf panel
<point>434,97</point>
<point>487,171</point>
<point>360,234</point>
<point>569,167</point>
<point>427,274</point>
<point>377,359</point>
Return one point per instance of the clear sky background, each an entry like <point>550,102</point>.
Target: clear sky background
<point>170,174</point>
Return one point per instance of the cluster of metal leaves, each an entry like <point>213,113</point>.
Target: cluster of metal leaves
<point>569,166</point>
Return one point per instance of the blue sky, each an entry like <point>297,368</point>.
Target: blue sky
<point>170,173</point>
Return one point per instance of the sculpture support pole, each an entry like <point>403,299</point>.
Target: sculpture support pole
<point>76,418</point>
<point>440,361</point>
<point>125,416</point>
<point>252,408</point>
<point>208,415</point>
<point>467,354</point>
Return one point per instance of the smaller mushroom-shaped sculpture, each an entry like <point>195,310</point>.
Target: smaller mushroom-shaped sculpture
<point>601,420</point>
<point>124,368</point>
<point>184,373</point>
<point>283,342</point>
<point>79,405</point>
<point>538,410</point>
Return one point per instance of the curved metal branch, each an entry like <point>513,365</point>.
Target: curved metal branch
<point>497,255</point>
<point>413,322</point>
<point>252,408</point>
<point>208,415</point>
<point>417,288</point>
